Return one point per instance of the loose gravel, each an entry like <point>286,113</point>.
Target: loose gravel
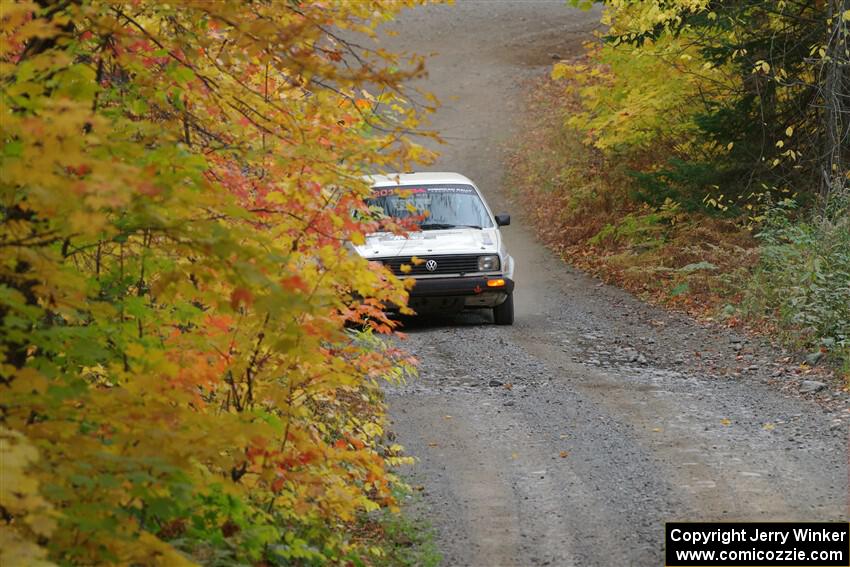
<point>571,437</point>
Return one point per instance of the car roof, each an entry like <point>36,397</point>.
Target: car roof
<point>423,177</point>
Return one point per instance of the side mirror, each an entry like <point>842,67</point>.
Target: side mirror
<point>503,219</point>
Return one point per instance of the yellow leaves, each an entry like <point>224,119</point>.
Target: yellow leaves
<point>561,71</point>
<point>632,99</point>
<point>372,429</point>
<point>28,380</point>
<point>377,551</point>
<point>41,524</point>
<point>16,551</point>
<point>789,131</point>
<point>18,455</point>
<point>20,498</point>
<point>631,18</point>
<point>150,550</point>
<point>135,350</point>
<point>86,223</point>
<point>726,422</point>
<point>277,198</point>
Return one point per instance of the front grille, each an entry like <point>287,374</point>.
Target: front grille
<point>446,264</point>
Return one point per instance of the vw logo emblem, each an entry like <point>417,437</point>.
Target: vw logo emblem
<point>431,265</point>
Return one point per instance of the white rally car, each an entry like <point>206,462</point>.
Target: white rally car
<point>463,263</point>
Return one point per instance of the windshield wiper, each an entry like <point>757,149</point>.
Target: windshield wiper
<point>440,226</point>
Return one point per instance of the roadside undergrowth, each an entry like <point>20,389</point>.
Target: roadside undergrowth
<point>397,540</point>
<point>578,201</point>
<point>712,266</point>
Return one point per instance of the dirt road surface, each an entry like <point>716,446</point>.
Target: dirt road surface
<point>571,437</point>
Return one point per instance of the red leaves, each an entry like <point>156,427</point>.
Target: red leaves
<point>241,296</point>
<point>295,282</point>
<point>307,457</point>
<point>149,189</point>
<point>79,170</point>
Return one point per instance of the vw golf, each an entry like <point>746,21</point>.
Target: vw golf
<point>461,261</point>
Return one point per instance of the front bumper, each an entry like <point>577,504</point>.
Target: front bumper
<point>440,294</point>
<point>460,286</point>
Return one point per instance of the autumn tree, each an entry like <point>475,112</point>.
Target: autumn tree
<point>749,98</point>
<point>179,379</point>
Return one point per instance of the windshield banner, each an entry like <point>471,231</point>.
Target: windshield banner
<point>417,189</point>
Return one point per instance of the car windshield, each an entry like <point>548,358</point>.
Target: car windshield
<point>441,206</point>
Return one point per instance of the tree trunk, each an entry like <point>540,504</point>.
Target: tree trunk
<point>836,101</point>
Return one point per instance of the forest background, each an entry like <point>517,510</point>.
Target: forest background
<point>697,155</point>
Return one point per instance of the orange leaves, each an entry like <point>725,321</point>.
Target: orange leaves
<point>199,372</point>
<point>220,322</point>
<point>295,282</point>
<point>346,443</point>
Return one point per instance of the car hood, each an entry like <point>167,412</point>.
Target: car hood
<point>430,242</point>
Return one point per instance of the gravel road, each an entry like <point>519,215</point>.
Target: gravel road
<point>571,437</point>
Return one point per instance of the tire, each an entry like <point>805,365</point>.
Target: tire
<point>504,314</point>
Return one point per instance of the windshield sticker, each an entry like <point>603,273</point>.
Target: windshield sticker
<point>405,191</point>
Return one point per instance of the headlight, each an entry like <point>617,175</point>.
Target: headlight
<point>488,263</point>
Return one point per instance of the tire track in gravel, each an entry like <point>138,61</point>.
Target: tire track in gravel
<point>652,432</point>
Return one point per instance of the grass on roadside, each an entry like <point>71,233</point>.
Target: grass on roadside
<point>398,539</point>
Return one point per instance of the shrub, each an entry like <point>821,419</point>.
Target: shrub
<point>803,276</point>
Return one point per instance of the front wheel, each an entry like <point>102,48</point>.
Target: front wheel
<point>504,314</point>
